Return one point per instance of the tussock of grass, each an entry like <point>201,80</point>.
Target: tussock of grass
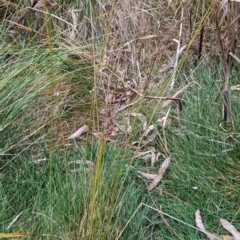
<point>53,83</point>
<point>26,91</point>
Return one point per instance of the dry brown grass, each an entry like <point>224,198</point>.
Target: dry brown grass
<point>132,46</point>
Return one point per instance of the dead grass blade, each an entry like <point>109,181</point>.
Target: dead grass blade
<point>226,33</point>
<point>14,220</point>
<point>235,57</point>
<point>159,175</point>
<point>179,53</point>
<point>13,235</point>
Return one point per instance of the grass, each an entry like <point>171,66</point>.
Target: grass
<point>68,198</point>
<point>90,188</point>
<point>203,175</point>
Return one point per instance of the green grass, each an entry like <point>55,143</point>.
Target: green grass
<point>203,174</point>
<point>58,209</point>
<point>87,188</point>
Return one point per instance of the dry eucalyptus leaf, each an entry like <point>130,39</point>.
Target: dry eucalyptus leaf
<point>201,226</point>
<point>79,132</point>
<point>147,175</point>
<point>226,237</point>
<point>74,20</point>
<point>159,175</point>
<point>229,227</point>
<point>199,222</point>
<point>148,37</point>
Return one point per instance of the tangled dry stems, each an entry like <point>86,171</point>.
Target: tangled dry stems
<point>139,49</point>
